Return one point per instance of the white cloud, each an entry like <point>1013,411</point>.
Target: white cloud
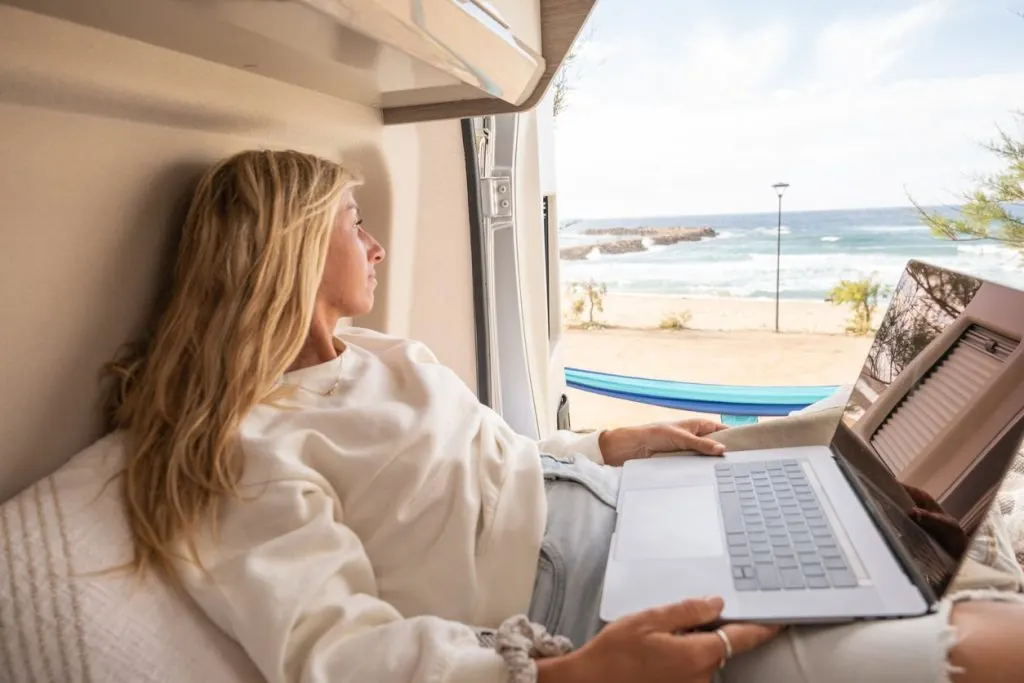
<point>717,65</point>
<point>708,127</point>
<point>859,50</point>
<point>710,65</point>
<point>838,149</point>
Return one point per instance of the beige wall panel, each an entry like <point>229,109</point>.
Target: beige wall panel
<point>102,141</point>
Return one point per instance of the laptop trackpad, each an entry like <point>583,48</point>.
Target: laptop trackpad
<point>679,522</point>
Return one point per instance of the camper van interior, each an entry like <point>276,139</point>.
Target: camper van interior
<point>110,113</point>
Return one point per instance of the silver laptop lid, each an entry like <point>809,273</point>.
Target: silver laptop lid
<point>937,414</point>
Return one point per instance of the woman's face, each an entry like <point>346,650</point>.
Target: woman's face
<point>349,278</point>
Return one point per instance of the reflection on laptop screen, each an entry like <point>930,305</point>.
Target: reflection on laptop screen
<point>937,415</point>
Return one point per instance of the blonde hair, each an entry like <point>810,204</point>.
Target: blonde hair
<point>249,264</point>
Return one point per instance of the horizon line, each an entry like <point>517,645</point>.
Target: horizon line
<point>758,213</point>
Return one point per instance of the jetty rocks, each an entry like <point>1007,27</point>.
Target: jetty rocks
<point>634,239</point>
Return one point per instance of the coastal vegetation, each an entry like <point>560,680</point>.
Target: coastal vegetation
<point>676,320</point>
<point>586,299</point>
<point>862,296</point>
<point>988,212</point>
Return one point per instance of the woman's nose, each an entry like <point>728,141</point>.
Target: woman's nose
<point>377,252</point>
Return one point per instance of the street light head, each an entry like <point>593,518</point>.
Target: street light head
<point>780,188</point>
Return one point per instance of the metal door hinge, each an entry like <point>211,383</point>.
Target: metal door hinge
<point>496,195</point>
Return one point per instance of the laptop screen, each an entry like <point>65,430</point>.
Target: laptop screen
<point>937,413</point>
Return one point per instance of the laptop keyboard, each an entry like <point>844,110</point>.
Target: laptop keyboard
<point>777,534</point>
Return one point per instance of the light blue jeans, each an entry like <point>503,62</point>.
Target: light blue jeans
<point>581,518</point>
<point>567,594</point>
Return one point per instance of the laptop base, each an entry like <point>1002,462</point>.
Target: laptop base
<point>671,544</point>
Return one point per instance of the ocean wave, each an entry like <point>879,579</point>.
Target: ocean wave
<point>762,230</point>
<point>817,253</point>
<point>803,275</point>
<point>739,277</point>
<point>893,228</point>
<point>987,249</point>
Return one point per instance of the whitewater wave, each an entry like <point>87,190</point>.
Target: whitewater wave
<point>816,254</point>
<point>987,249</point>
<point>761,230</point>
<point>894,228</point>
<point>747,275</point>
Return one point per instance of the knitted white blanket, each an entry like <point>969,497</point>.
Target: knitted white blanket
<point>1010,503</point>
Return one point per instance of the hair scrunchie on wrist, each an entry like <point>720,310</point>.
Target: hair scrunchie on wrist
<point>520,642</point>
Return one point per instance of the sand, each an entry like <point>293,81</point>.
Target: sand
<point>732,342</point>
<point>625,310</point>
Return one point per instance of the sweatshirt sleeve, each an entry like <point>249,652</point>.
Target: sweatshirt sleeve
<point>564,442</point>
<point>292,584</point>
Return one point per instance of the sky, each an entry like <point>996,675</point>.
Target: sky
<point>698,106</point>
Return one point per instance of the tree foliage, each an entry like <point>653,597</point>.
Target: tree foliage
<point>587,297</point>
<point>862,296</point>
<point>567,76</point>
<point>564,83</point>
<point>988,212</point>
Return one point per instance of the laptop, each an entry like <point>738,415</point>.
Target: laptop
<point>832,534</point>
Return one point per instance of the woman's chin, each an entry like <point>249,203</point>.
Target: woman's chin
<point>366,305</point>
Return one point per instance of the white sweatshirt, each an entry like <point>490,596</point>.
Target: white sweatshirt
<point>382,523</point>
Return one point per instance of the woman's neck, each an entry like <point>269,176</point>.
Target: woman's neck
<point>320,347</point>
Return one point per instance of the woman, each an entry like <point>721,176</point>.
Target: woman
<point>345,508</point>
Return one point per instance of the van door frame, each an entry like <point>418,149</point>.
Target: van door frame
<point>504,377</point>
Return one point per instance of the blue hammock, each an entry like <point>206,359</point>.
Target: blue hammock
<point>700,398</point>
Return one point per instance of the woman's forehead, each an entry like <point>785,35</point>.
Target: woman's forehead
<point>348,200</point>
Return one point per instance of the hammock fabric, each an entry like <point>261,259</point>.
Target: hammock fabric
<point>700,398</point>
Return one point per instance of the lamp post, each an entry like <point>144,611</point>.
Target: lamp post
<point>779,188</point>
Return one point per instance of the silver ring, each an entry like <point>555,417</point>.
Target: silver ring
<point>728,647</point>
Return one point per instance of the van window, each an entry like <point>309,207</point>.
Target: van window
<point>740,186</point>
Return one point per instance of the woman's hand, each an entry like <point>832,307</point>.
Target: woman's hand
<point>627,443</point>
<point>653,647</point>
<point>941,526</point>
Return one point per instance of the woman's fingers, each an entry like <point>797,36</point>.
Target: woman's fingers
<point>707,650</point>
<point>943,528</point>
<point>683,439</point>
<point>748,636</point>
<point>683,616</point>
<point>706,446</point>
<point>701,426</point>
<point>922,499</point>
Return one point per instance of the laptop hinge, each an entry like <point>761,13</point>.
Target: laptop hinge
<point>877,516</point>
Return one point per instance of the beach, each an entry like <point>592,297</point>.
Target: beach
<point>724,313</point>
<point>726,280</point>
<point>728,341</point>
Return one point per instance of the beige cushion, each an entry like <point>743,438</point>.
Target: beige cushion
<point>62,621</point>
<point>801,429</point>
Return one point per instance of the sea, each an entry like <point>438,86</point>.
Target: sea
<point>818,249</point>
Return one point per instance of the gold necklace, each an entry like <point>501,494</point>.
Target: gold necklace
<point>330,392</point>
<point>334,387</point>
